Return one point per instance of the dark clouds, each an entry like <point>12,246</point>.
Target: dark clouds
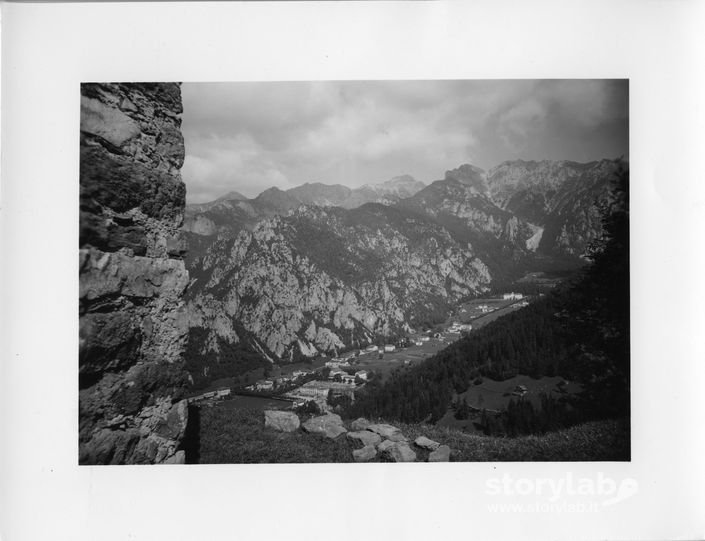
<point>251,136</point>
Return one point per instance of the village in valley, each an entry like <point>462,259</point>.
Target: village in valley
<point>327,381</point>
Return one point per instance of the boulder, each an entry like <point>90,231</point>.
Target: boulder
<point>401,452</point>
<point>442,454</point>
<point>384,446</point>
<point>360,424</point>
<point>365,437</point>
<point>329,425</point>
<point>425,443</point>
<point>283,421</point>
<point>367,453</point>
<point>387,431</point>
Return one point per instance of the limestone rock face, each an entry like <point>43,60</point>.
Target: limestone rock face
<point>132,319</point>
<point>283,421</point>
<point>320,279</point>
<point>561,199</point>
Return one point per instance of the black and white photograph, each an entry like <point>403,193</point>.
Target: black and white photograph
<point>380,270</point>
<point>337,271</point>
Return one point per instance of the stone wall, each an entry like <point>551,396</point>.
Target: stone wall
<point>132,320</point>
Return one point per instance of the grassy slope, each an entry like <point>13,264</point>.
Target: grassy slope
<point>239,436</point>
<point>594,441</point>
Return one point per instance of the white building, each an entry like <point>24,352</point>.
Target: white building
<point>318,390</point>
<point>389,347</point>
<point>264,385</point>
<point>337,364</point>
<point>512,296</point>
<point>362,374</point>
<point>371,347</point>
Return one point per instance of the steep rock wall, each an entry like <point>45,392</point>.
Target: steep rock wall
<point>132,319</point>
<point>322,279</point>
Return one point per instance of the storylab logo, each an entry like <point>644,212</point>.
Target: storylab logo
<point>563,494</point>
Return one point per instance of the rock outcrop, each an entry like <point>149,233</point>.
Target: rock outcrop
<point>132,320</point>
<point>283,421</point>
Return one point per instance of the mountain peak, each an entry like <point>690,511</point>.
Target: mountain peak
<point>401,179</point>
<point>231,196</point>
<point>399,187</point>
<point>316,193</point>
<point>470,175</point>
<point>278,199</point>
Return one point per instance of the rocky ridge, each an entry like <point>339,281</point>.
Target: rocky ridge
<point>132,319</point>
<point>233,212</point>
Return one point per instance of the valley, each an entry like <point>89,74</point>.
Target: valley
<point>440,307</point>
<point>289,275</point>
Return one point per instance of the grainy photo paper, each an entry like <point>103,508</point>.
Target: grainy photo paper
<point>352,270</point>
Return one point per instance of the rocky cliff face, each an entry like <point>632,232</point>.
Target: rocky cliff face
<point>562,198</point>
<point>132,321</point>
<point>321,279</point>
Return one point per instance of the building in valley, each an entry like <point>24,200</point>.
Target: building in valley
<point>318,391</point>
<point>512,296</point>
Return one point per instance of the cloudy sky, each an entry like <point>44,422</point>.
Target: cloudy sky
<point>251,136</point>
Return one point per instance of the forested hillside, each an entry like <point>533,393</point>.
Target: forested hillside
<point>580,332</point>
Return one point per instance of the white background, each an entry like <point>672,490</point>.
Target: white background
<point>49,49</point>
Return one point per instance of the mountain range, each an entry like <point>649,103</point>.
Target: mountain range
<point>319,268</point>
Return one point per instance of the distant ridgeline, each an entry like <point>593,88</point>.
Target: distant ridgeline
<point>318,269</point>
<point>579,332</point>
